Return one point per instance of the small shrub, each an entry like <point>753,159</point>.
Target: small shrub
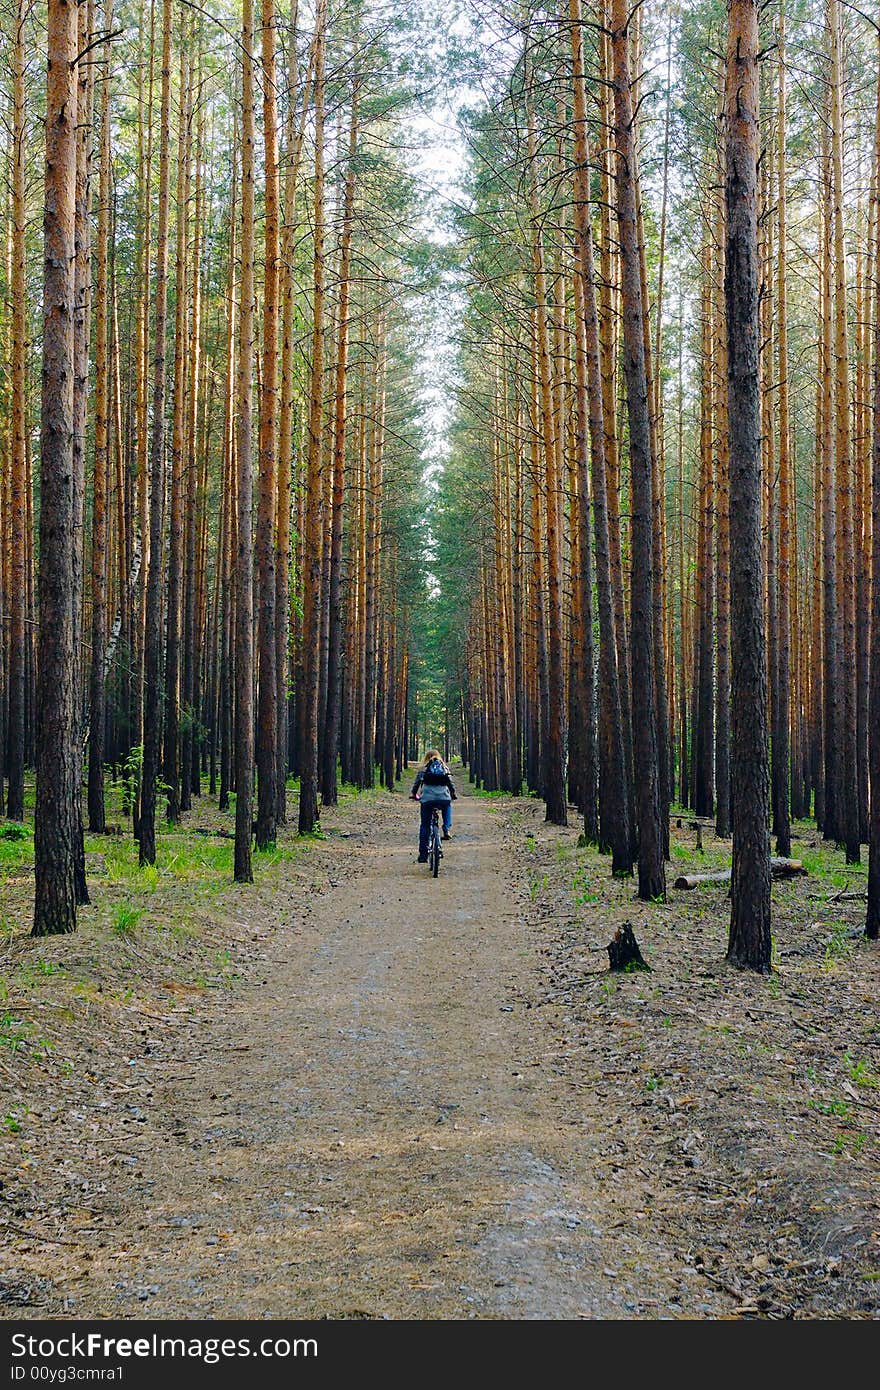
<point>125,918</point>
<point>14,830</point>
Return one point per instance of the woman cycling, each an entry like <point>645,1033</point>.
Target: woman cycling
<point>433,787</point>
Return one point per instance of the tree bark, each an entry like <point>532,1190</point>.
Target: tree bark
<point>153,619</point>
<point>749,940</point>
<point>311,656</point>
<point>17,526</point>
<point>57,759</point>
<point>97,696</point>
<point>872,920</point>
<point>334,635</point>
<point>613,782</point>
<point>849,800</point>
<point>652,873</point>
<point>244,388</point>
<point>267,709</point>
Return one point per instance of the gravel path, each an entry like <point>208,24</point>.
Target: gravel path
<point>370,1131</point>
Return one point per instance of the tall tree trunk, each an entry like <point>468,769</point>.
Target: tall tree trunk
<point>55,822</point>
<point>285,443</point>
<point>749,941</point>
<point>872,920</point>
<point>849,801</point>
<point>189,737</point>
<point>97,694</point>
<point>704,625</point>
<point>267,711</point>
<point>613,782</point>
<point>153,621</point>
<point>830,598</point>
<point>335,613</point>
<point>142,349</point>
<point>226,548</point>
<point>16,590</point>
<point>173,616</point>
<point>722,568</point>
<point>652,873</point>
<point>81,341</point>
<point>311,656</point>
<point>782,729</point>
<point>244,390</point>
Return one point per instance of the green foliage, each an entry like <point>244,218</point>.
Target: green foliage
<point>14,830</point>
<point>16,848</point>
<point>580,885</point>
<point>838,946</point>
<point>131,775</point>
<point>860,1073</point>
<point>830,1107</point>
<point>125,918</point>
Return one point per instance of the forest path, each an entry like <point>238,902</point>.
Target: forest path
<point>370,1130</point>
<point>386,1096</point>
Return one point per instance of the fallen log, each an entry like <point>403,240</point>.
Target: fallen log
<point>779,868</point>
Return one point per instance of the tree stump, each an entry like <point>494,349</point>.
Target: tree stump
<point>623,951</point>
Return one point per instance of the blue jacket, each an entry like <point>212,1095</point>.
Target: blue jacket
<point>435,782</point>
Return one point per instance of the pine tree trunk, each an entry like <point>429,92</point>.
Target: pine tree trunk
<point>334,632</point>
<point>16,595</point>
<point>97,696</point>
<point>849,800</point>
<point>722,569</point>
<point>311,656</point>
<point>749,941</point>
<point>267,710</point>
<point>782,729</point>
<point>173,616</point>
<point>57,756</point>
<point>81,341</point>
<point>613,783</point>
<point>652,874</point>
<point>153,617</point>
<point>831,694</point>
<point>244,566</point>
<point>872,920</point>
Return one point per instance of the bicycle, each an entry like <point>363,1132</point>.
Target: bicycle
<point>435,852</point>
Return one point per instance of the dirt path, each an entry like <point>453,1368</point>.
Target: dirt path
<point>370,1132</point>
<point>379,1118</point>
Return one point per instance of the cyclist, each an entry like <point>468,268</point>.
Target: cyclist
<point>433,787</point>
<point>447,809</point>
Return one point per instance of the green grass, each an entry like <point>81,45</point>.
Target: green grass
<point>580,887</point>
<point>860,1073</point>
<point>831,1107</point>
<point>838,946</point>
<point>826,863</point>
<point>16,848</point>
<point>13,1032</point>
<point>14,830</point>
<point>125,918</point>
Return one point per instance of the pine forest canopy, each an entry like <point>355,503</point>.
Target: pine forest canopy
<point>500,376</point>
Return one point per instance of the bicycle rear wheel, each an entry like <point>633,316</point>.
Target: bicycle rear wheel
<point>435,852</point>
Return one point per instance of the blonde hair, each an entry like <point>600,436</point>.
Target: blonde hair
<point>430,756</point>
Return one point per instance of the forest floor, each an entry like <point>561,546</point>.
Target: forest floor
<point>351,1091</point>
